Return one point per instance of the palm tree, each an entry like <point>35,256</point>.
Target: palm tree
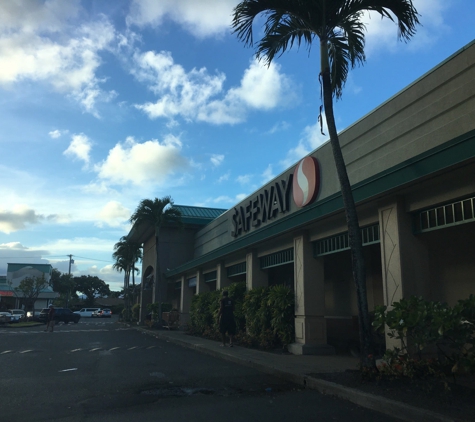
<point>156,213</point>
<point>126,255</point>
<point>338,26</point>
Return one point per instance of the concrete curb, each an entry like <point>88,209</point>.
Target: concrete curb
<point>379,404</point>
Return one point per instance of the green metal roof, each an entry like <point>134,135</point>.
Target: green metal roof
<point>198,215</point>
<point>44,268</point>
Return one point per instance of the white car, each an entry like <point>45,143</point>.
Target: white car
<point>97,313</point>
<point>5,318</point>
<point>87,312</point>
<point>17,314</point>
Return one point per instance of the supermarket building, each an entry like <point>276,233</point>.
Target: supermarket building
<point>411,163</point>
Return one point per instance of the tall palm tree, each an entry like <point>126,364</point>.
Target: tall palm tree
<point>157,213</point>
<point>337,25</point>
<point>126,255</point>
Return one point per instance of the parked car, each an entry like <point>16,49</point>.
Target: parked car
<point>17,315</point>
<point>87,312</point>
<point>105,313</point>
<point>60,315</point>
<point>5,318</point>
<point>96,313</point>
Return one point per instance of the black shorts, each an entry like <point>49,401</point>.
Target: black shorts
<point>227,325</point>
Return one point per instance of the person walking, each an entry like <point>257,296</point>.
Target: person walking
<point>226,319</point>
<point>50,318</point>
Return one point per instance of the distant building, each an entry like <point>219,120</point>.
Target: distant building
<point>11,298</point>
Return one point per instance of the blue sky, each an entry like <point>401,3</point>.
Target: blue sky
<point>103,104</point>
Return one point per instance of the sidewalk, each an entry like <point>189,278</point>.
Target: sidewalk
<point>296,369</point>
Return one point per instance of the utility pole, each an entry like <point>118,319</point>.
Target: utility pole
<point>71,261</point>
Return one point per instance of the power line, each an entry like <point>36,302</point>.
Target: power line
<point>92,259</point>
<point>51,256</point>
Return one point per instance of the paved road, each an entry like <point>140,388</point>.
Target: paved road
<point>99,370</point>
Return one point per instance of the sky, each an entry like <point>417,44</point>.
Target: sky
<point>103,104</point>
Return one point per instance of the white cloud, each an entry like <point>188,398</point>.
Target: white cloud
<point>263,87</point>
<point>201,18</point>
<point>382,33</point>
<point>199,96</point>
<point>311,139</point>
<point>223,199</point>
<point>35,15</point>
<point>18,218</point>
<point>13,246</point>
<point>217,159</point>
<point>224,177</point>
<point>55,134</point>
<point>278,127</point>
<point>114,214</point>
<point>180,93</point>
<point>31,48</point>
<point>148,162</point>
<point>79,148</point>
<point>267,174</point>
<point>245,179</point>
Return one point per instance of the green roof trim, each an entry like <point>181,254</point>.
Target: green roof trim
<point>198,215</point>
<point>44,268</point>
<point>453,152</point>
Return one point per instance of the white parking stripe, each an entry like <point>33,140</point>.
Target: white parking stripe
<point>132,348</point>
<point>97,348</point>
<point>114,348</point>
<point>75,350</point>
<point>6,351</point>
<point>26,351</point>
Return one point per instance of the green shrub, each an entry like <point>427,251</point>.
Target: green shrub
<point>203,312</point>
<point>256,311</point>
<point>237,292</point>
<point>136,312</point>
<point>423,325</point>
<point>264,316</point>
<point>281,301</point>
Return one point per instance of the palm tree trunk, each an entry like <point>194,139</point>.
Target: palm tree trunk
<point>354,232</point>
<point>158,281</point>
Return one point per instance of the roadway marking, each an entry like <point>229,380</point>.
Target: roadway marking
<point>95,349</point>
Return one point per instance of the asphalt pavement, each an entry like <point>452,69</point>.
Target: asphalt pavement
<point>297,369</point>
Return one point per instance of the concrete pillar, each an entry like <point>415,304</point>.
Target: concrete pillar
<point>222,279</point>
<point>403,258</point>
<point>255,277</point>
<point>201,285</point>
<point>309,282</point>
<point>186,297</point>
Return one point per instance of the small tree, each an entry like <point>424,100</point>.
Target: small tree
<point>63,284</point>
<point>29,289</point>
<point>91,286</point>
